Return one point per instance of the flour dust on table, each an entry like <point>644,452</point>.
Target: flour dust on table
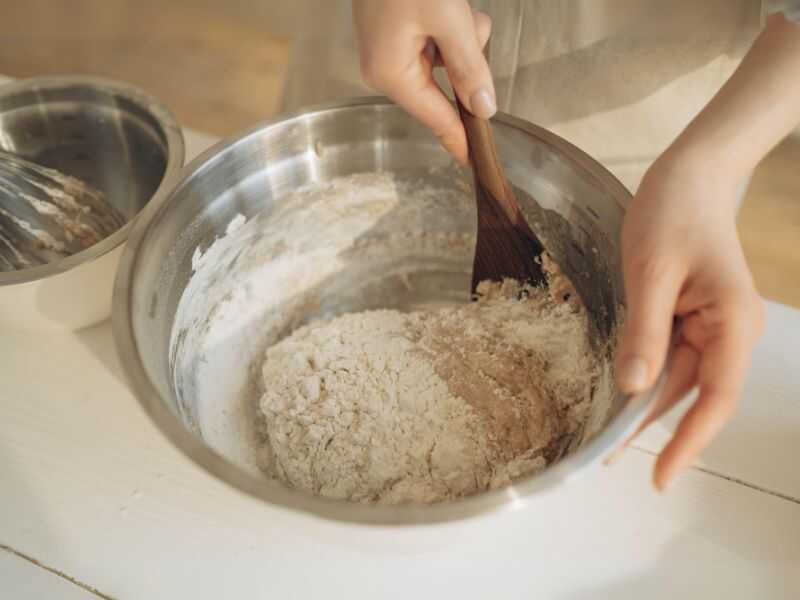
<point>330,344</point>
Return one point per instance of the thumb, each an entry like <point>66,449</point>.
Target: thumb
<point>652,285</point>
<point>466,65</point>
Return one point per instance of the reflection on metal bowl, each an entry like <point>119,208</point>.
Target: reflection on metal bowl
<point>117,140</point>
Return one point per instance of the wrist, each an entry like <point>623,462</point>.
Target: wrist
<point>719,167</point>
<point>718,157</point>
<point>690,178</point>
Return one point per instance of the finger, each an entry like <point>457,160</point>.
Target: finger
<point>433,109</point>
<point>412,86</point>
<point>483,28</point>
<point>681,379</point>
<point>723,365</point>
<point>463,58</point>
<point>652,286</point>
<point>742,312</point>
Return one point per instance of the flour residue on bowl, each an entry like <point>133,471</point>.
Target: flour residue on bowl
<point>254,285</point>
<point>46,215</point>
<point>329,344</point>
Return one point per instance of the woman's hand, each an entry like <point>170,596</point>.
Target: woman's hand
<point>398,46</point>
<point>681,253</point>
<point>682,256</point>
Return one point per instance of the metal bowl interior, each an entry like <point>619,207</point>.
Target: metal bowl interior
<point>108,134</point>
<point>578,210</point>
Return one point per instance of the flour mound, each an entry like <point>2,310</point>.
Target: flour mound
<point>383,406</point>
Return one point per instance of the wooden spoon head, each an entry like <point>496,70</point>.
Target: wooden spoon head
<point>506,246</point>
<point>504,250</point>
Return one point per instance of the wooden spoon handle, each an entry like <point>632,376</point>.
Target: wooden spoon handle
<point>486,165</point>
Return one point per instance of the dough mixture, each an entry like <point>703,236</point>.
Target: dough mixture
<point>430,405</point>
<point>283,365</point>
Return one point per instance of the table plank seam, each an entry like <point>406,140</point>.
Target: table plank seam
<point>713,473</point>
<point>84,586</point>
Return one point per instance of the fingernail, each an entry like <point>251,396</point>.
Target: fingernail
<point>482,104</point>
<point>633,375</point>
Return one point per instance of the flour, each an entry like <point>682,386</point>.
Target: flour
<point>429,405</point>
<point>284,365</point>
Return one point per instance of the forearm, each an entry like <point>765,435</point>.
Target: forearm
<point>757,107</point>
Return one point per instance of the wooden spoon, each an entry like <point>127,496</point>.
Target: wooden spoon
<point>506,246</point>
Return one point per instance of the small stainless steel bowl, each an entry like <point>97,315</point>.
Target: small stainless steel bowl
<point>111,135</point>
<point>580,206</point>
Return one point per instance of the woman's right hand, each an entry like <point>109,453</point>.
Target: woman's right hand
<point>400,43</point>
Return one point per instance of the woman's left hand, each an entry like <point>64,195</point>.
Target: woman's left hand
<point>682,256</point>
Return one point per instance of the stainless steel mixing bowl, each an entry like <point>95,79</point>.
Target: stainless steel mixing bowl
<point>108,134</point>
<point>579,213</point>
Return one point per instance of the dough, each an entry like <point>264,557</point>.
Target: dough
<point>383,406</point>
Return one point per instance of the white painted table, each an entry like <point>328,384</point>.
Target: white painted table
<point>93,493</point>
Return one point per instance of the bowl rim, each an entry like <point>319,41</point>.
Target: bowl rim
<point>279,496</point>
<point>175,156</point>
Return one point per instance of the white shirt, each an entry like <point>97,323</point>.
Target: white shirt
<point>618,78</point>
